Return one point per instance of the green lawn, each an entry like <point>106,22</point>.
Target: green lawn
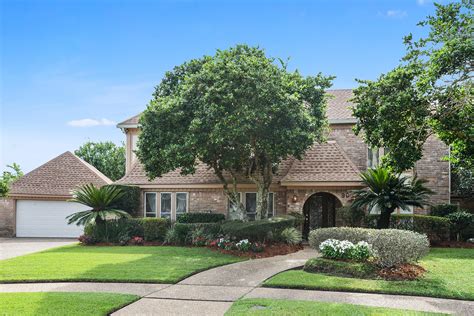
<point>449,274</point>
<point>291,307</point>
<point>61,303</point>
<point>121,264</point>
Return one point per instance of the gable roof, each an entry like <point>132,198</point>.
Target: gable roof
<point>325,162</point>
<point>338,109</point>
<point>58,177</point>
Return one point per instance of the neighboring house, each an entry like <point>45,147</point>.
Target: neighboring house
<point>316,186</point>
<point>37,204</point>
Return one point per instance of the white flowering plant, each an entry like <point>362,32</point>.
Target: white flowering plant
<point>344,249</point>
<point>243,245</point>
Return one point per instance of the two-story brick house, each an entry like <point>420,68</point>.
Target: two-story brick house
<point>316,186</point>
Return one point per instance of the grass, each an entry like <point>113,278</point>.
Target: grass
<point>112,264</point>
<point>61,303</point>
<point>449,275</point>
<point>292,307</point>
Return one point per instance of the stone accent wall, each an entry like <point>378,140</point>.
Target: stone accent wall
<point>434,168</point>
<point>7,217</point>
<point>354,146</point>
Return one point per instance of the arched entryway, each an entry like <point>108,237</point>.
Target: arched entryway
<point>319,210</point>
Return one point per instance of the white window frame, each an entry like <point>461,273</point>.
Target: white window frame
<point>245,202</point>
<point>176,204</point>
<point>171,208</point>
<point>144,204</point>
<point>273,204</point>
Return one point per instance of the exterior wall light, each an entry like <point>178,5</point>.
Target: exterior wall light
<point>295,198</point>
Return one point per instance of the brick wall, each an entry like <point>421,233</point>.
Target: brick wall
<point>435,169</point>
<point>7,217</point>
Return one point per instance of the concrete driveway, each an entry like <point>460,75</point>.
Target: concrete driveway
<point>14,247</point>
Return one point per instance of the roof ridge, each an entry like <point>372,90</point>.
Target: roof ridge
<point>92,168</point>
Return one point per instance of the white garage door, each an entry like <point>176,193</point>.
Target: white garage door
<point>46,218</point>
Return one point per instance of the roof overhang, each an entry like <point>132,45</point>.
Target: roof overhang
<point>128,125</point>
<point>322,183</point>
<point>30,196</point>
<point>343,121</point>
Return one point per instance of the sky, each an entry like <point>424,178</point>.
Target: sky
<point>70,70</point>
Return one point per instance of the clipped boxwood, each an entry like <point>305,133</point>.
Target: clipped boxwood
<point>435,227</point>
<point>391,246</point>
<point>261,230</point>
<point>362,270</point>
<point>154,229</point>
<point>200,217</point>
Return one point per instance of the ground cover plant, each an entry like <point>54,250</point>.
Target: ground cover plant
<point>62,303</point>
<point>448,274</point>
<point>263,306</point>
<point>106,264</point>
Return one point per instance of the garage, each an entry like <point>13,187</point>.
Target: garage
<point>41,197</point>
<point>35,218</point>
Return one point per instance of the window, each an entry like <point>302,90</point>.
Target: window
<point>374,156</point>
<point>150,204</point>
<point>165,205</point>
<point>231,207</point>
<point>251,204</point>
<point>271,200</point>
<point>181,203</point>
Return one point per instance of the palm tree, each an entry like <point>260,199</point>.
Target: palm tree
<point>100,200</point>
<point>388,191</point>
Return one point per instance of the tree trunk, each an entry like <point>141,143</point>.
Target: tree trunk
<point>384,219</point>
<point>238,212</point>
<point>262,202</point>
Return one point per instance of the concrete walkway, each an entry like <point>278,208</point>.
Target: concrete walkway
<point>14,247</point>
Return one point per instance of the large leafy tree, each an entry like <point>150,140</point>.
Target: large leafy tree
<point>107,157</point>
<point>386,191</point>
<point>239,112</point>
<point>429,93</point>
<point>12,173</point>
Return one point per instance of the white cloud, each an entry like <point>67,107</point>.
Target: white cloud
<point>421,2</point>
<point>88,122</point>
<point>396,14</point>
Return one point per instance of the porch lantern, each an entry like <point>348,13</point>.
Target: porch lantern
<point>295,198</point>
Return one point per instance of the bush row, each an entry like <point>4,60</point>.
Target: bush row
<point>435,227</point>
<point>390,246</point>
<point>200,217</point>
<point>262,230</point>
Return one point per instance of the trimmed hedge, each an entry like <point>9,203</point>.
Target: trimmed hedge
<point>154,229</point>
<point>443,209</point>
<point>200,217</point>
<point>391,246</point>
<point>261,230</point>
<point>362,270</point>
<point>151,229</point>
<point>435,227</point>
<point>180,233</point>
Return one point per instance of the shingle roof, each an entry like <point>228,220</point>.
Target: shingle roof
<point>338,108</point>
<point>58,177</point>
<point>325,162</point>
<point>339,104</point>
<point>203,175</point>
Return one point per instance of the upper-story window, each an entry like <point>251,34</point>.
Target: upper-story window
<point>374,156</point>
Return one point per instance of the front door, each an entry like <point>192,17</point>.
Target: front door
<point>319,211</point>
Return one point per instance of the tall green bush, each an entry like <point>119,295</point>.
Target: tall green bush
<point>261,230</point>
<point>154,229</point>
<point>130,200</point>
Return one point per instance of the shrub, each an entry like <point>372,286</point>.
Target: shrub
<point>86,240</point>
<point>459,222</point>
<point>130,201</point>
<point>390,246</point>
<point>154,229</point>
<point>291,236</point>
<point>260,230</point>
<point>340,268</point>
<point>443,209</point>
<point>257,247</point>
<point>435,227</point>
<point>299,218</point>
<point>198,238</point>
<point>112,230</point>
<point>200,217</point>
<point>243,245</point>
<point>395,246</point>
<point>211,230</point>
<point>352,234</point>
<point>182,233</point>
<point>343,249</point>
<point>352,217</point>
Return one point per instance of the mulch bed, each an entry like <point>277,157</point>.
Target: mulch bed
<point>269,251</point>
<point>404,272</point>
<point>454,244</point>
